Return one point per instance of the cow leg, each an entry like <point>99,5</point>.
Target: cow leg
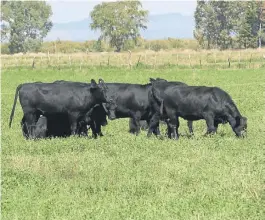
<point>210,124</point>
<point>98,128</point>
<point>136,118</point>
<point>132,126</point>
<point>93,128</point>
<point>216,125</point>
<point>157,130</point>
<point>173,129</point>
<point>168,129</point>
<point>25,131</point>
<point>30,122</point>
<point>73,123</point>
<point>190,127</point>
<point>154,123</point>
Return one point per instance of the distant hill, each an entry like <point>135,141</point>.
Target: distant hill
<point>159,27</point>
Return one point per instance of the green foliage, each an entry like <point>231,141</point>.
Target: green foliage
<point>248,26</point>
<point>119,21</point>
<point>227,24</point>
<point>103,46</point>
<point>25,24</point>
<point>122,176</point>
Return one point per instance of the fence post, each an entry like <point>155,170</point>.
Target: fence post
<point>138,60</point>
<point>69,57</point>
<point>108,60</point>
<point>129,59</point>
<point>228,61</point>
<point>215,60</point>
<point>250,59</point>
<point>189,60</point>
<point>177,59</point>
<point>58,60</point>
<point>33,63</point>
<point>48,54</point>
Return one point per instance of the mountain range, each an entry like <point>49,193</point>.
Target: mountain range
<point>161,26</point>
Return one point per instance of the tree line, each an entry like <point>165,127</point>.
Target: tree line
<point>218,24</point>
<point>230,24</point>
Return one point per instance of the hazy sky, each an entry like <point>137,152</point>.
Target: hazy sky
<point>65,11</point>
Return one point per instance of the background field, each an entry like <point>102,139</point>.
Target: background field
<point>121,176</point>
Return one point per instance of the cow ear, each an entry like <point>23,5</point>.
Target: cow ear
<point>102,84</point>
<point>100,81</point>
<point>151,80</point>
<point>94,84</point>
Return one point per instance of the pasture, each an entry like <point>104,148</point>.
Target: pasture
<point>122,176</point>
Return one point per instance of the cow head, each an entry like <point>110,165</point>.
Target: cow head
<point>98,92</point>
<point>242,126</point>
<point>110,108</point>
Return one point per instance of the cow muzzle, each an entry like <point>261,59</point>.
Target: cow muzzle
<point>112,115</point>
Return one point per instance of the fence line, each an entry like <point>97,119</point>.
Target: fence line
<point>190,60</point>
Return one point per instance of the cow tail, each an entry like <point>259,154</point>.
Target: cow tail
<point>14,105</point>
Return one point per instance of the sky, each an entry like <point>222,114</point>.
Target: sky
<point>65,11</point>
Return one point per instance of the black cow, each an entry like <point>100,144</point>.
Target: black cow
<point>129,101</point>
<point>132,101</point>
<point>73,99</point>
<point>95,118</point>
<point>195,103</point>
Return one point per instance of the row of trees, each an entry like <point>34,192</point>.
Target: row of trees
<point>25,23</point>
<point>219,24</point>
<point>230,24</point>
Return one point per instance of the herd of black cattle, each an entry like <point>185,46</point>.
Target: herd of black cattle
<point>65,108</point>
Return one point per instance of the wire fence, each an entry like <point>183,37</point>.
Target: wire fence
<point>190,59</point>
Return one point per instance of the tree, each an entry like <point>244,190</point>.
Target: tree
<point>119,21</point>
<point>24,24</point>
<point>214,22</point>
<point>248,26</point>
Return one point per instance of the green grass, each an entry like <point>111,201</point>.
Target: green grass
<point>121,176</point>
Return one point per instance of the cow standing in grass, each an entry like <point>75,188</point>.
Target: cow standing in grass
<point>195,103</point>
<point>72,99</point>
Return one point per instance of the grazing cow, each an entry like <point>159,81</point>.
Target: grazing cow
<point>73,99</point>
<point>195,103</point>
<point>132,101</point>
<point>129,101</point>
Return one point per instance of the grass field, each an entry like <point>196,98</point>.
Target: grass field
<point>121,176</point>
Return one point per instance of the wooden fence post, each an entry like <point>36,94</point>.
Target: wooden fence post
<point>70,62</point>
<point>138,60</point>
<point>48,54</point>
<point>250,59</point>
<point>33,63</point>
<point>129,59</point>
<point>108,60</point>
